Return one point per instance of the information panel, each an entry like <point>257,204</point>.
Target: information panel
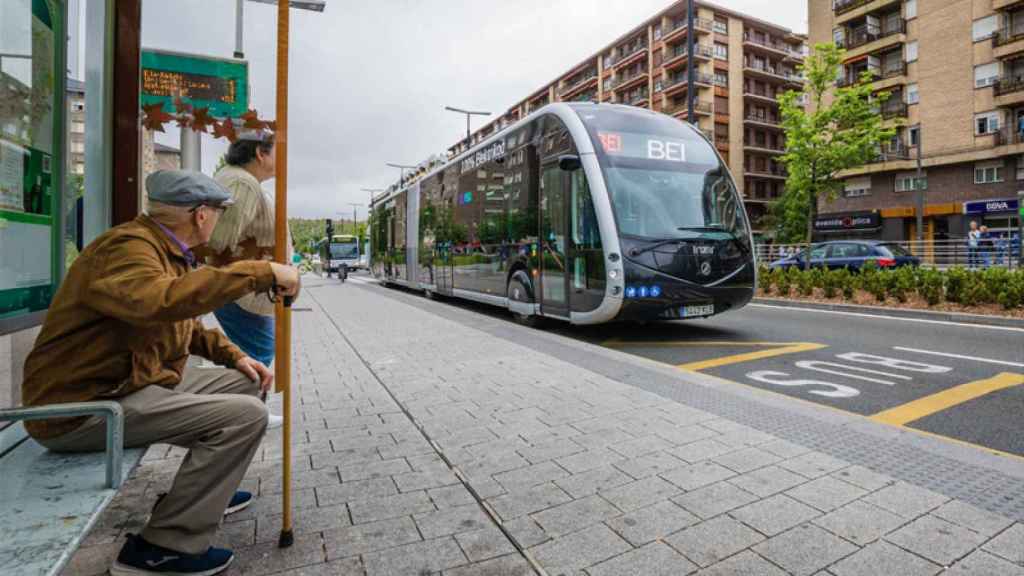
<point>222,85</point>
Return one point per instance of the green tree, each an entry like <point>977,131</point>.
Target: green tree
<point>825,138</point>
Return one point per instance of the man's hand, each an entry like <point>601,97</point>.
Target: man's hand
<point>256,372</point>
<point>286,278</point>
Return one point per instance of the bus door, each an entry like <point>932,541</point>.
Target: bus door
<point>554,224</point>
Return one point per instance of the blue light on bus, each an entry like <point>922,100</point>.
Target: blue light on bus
<point>644,292</point>
<point>630,292</point>
<point>655,291</point>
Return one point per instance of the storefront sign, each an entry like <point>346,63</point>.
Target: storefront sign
<point>218,84</point>
<point>987,206</point>
<point>862,221</point>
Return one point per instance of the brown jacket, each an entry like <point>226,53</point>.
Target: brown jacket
<point>126,317</point>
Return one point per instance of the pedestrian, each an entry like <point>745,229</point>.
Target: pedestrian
<point>986,246</point>
<point>246,232</point>
<point>973,237</point>
<point>122,327</point>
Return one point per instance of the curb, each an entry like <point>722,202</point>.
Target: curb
<point>978,319</point>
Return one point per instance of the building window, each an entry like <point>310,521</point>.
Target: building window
<point>721,79</point>
<point>658,85</point>
<point>857,187</point>
<point>1020,167</point>
<point>839,36</point>
<point>986,123</point>
<point>657,32</point>
<point>721,51</point>
<point>914,134</point>
<point>721,26</point>
<point>912,95</point>
<point>905,182</point>
<point>988,173</point>
<point>985,27</point>
<point>911,54</point>
<point>78,106</point>
<point>986,74</point>
<point>910,9</point>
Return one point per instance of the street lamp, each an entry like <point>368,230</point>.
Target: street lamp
<point>468,113</point>
<point>311,5</point>
<point>355,215</point>
<point>403,168</point>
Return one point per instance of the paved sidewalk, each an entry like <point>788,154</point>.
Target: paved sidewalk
<point>425,446</point>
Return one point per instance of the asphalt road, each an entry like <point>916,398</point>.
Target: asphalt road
<point>957,381</point>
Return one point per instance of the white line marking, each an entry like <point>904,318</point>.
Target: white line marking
<point>961,357</point>
<point>918,320</point>
<point>813,365</point>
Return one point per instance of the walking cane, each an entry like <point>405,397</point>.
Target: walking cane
<point>283,313</point>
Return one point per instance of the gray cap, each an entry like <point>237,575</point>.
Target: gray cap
<point>186,188</point>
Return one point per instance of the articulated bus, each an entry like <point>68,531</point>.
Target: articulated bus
<point>583,212</point>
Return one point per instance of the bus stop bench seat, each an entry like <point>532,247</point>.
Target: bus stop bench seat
<point>49,501</point>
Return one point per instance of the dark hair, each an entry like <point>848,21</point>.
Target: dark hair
<point>241,152</point>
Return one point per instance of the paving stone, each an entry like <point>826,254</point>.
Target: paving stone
<point>575,515</point>
<point>981,521</point>
<point>774,515</point>
<point>549,450</point>
<point>813,464</point>
<point>715,499</point>
<point>768,481</point>
<point>685,434</point>
<point>484,543</point>
<point>745,563</point>
<point>697,475</point>
<point>428,463</point>
<point>640,493</point>
<point>884,558</point>
<point>864,477</point>
<point>374,469</point>
<point>486,488</point>
<point>804,550</point>
<point>510,565</point>
<point>746,460</point>
<point>784,449</point>
<point>354,491</point>
<point>526,532</point>
<point>415,481</point>
<point>936,540</point>
<point>647,524</point>
<point>860,522</point>
<point>579,550</point>
<point>375,509</point>
<point>906,500</point>
<point>713,540</point>
<point>307,550</point>
<point>528,476</point>
<point>603,437</point>
<point>1009,544</point>
<point>700,450</point>
<point>591,481</point>
<point>300,480</point>
<point>307,520</point>
<point>241,534</point>
<point>514,505</point>
<point>416,558</point>
<point>589,460</point>
<point>449,496</point>
<point>641,446</point>
<point>451,521</point>
<point>493,464</point>
<point>650,464</point>
<point>826,493</point>
<point>347,457</point>
<point>404,449</point>
<point>655,559</point>
<point>982,563</point>
<point>746,437</point>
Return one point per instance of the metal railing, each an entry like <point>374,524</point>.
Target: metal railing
<point>763,118</point>
<point>778,46</point>
<point>891,153</point>
<point>1008,84</point>
<point>578,82</point>
<point>862,35</point>
<point>1007,35</point>
<point>891,109</point>
<point>679,50</point>
<point>627,79</point>
<point>777,72</point>
<point>778,171</point>
<point>700,78</point>
<point>942,254</point>
<point>698,23</point>
<point>633,51</point>
<point>844,6</point>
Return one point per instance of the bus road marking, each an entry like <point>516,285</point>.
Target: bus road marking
<point>817,366</point>
<point>961,357</point>
<point>792,348</point>
<point>917,409</point>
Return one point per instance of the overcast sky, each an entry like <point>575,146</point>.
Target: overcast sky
<point>370,78</point>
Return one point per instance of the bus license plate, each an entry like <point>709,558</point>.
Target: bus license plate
<point>698,310</point>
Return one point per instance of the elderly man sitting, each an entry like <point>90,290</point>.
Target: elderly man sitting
<point>122,327</point>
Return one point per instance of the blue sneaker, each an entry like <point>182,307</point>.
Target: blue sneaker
<point>140,558</point>
<point>240,501</point>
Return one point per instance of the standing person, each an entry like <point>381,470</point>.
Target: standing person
<point>973,238</point>
<point>246,232</point>
<point>986,245</point>
<point>121,327</point>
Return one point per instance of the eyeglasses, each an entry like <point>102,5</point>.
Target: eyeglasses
<point>218,208</point>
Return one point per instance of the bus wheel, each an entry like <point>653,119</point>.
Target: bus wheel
<point>520,290</point>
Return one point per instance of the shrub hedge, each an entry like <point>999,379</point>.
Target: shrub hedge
<point>957,285</point>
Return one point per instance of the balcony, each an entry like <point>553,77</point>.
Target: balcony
<point>677,28</point>
<point>847,10</point>
<point>578,83</point>
<point>681,108</point>
<point>844,6</point>
<point>764,148</point>
<point>894,108</point>
<point>675,83</point>
<point>768,72</point>
<point>1009,89</point>
<point>891,154</point>
<point>863,35</point>
<point>629,80</point>
<point>1008,42</point>
<point>887,73</point>
<point>774,173</point>
<point>677,54</point>
<point>780,48</point>
<point>770,97</point>
<point>1003,4</point>
<point>631,55</point>
<point>762,120</point>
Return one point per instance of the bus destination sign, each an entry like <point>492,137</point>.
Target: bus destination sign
<point>642,146</point>
<point>218,84</point>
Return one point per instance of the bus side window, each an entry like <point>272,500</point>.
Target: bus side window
<point>586,236</point>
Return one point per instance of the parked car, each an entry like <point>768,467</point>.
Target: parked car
<point>852,254</point>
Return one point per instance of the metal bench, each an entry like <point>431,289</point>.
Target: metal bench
<point>49,501</point>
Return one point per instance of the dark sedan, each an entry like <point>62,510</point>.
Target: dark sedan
<point>852,254</point>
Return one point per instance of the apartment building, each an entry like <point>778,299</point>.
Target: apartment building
<point>742,65</point>
<point>955,72</point>
<point>76,126</point>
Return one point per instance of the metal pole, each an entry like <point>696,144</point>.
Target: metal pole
<point>919,195</point>
<point>239,19</point>
<point>467,129</point>
<point>1020,230</point>
<point>691,72</point>
<point>283,323</point>
<point>191,150</point>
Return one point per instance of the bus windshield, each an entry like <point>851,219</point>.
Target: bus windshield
<point>344,250</point>
<point>664,179</point>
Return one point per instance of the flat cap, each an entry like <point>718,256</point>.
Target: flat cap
<point>186,188</point>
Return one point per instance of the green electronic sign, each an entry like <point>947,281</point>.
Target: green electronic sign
<point>222,85</point>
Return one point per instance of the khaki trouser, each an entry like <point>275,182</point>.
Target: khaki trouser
<point>216,414</point>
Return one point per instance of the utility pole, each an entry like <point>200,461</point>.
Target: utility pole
<point>1020,230</point>
<point>919,193</point>
<point>468,114</point>
<point>691,72</point>
<point>355,206</point>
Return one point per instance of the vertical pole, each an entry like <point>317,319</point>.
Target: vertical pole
<point>691,72</point>
<point>283,326</point>
<point>467,130</point>
<point>919,194</point>
<point>191,153</point>
<point>239,20</point>
<point>1020,231</point>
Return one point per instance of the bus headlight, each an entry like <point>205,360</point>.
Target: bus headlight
<point>613,274</point>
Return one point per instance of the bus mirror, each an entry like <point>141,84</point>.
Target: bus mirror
<point>569,162</point>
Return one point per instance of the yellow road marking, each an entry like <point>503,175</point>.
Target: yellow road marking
<point>946,399</point>
<point>747,357</point>
<point>616,343</point>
